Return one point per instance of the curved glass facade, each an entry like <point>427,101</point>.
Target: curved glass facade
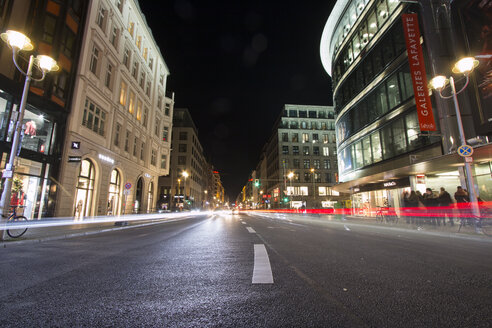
<point>371,23</point>
<point>373,89</point>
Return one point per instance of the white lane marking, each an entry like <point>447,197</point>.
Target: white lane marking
<point>346,228</point>
<point>262,271</point>
<point>243,222</point>
<point>251,230</point>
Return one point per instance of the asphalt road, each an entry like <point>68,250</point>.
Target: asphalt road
<point>199,273</point>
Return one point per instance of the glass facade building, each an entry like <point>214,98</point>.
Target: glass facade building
<point>381,149</point>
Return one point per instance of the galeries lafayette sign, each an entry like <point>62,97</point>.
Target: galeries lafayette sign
<point>417,69</point>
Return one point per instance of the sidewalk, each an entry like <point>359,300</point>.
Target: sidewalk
<point>77,229</point>
<point>420,226</point>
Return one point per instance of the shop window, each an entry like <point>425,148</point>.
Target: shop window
<point>114,193</point>
<point>94,117</point>
<point>150,197</point>
<point>38,131</point>
<point>85,189</point>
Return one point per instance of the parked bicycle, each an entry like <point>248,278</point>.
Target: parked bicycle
<point>384,214</point>
<point>481,224</point>
<point>13,219</point>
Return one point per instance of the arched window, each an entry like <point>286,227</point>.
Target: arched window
<point>114,193</point>
<point>150,198</point>
<point>138,196</point>
<point>85,189</point>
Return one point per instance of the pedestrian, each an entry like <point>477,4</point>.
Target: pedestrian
<point>462,201</point>
<point>445,201</point>
<point>413,205</point>
<point>431,204</point>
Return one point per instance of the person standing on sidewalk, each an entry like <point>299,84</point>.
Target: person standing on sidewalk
<point>462,200</point>
<point>445,201</point>
<point>431,204</point>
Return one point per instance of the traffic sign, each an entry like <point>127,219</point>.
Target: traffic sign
<point>469,159</point>
<point>465,150</point>
<point>128,185</point>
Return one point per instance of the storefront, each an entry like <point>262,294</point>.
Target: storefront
<point>33,186</point>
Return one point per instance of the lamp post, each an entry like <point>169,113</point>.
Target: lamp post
<point>464,66</point>
<point>290,176</point>
<point>19,42</point>
<point>184,174</point>
<point>314,187</point>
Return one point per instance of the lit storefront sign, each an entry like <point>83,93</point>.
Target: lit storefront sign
<point>106,159</point>
<point>393,184</point>
<point>417,70</point>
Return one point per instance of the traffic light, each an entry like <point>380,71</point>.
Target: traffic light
<point>257,183</point>
<point>286,199</point>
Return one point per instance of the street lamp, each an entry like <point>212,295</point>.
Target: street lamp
<point>19,42</point>
<point>184,174</point>
<point>464,66</point>
<point>290,176</point>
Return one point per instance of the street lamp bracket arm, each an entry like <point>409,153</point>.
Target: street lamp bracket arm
<point>457,92</point>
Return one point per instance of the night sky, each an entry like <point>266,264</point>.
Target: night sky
<point>234,64</point>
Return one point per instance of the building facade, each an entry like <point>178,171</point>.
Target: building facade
<point>382,149</point>
<point>117,142</point>
<point>56,29</point>
<point>185,186</point>
<point>299,160</point>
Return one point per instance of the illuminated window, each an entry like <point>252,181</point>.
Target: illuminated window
<point>123,93</point>
<point>131,103</point>
<point>139,109</point>
<point>131,28</point>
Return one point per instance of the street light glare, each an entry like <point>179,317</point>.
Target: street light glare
<point>17,40</point>
<point>185,174</point>
<point>46,63</point>
<point>465,65</point>
<point>438,82</point>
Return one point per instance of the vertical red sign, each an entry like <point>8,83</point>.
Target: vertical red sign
<point>417,69</point>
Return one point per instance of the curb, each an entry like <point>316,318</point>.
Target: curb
<point>81,234</point>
